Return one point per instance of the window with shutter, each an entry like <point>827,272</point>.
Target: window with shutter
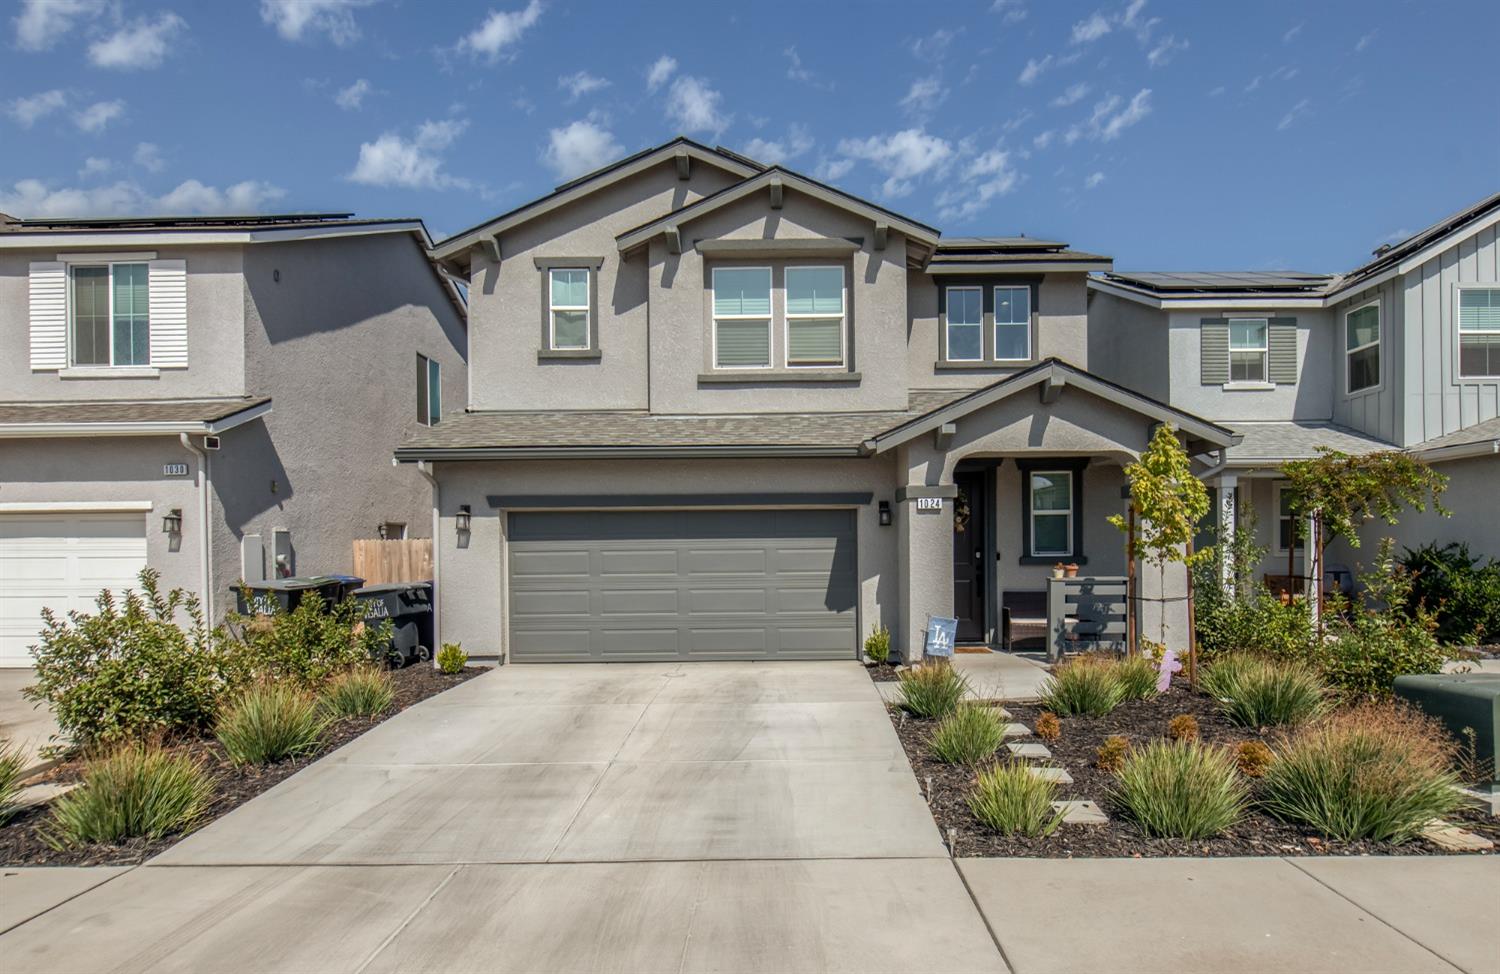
<point>1247,349</point>
<point>49,316</point>
<point>1213,365</point>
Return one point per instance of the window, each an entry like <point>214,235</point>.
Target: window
<point>965,324</point>
<point>1362,348</point>
<point>392,531</point>
<point>1288,530</point>
<point>1247,349</point>
<point>1012,324</point>
<point>814,316</point>
<point>1479,331</point>
<point>1052,512</point>
<point>429,391</point>
<point>568,309</point>
<point>111,322</point>
<point>742,317</point>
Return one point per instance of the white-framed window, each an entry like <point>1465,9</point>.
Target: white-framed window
<point>429,391</point>
<point>1362,348</point>
<point>815,316</point>
<point>568,308</point>
<point>1051,512</point>
<point>1289,531</point>
<point>1012,324</point>
<point>964,322</point>
<point>1478,331</point>
<point>742,317</point>
<point>109,309</point>
<point>1248,349</point>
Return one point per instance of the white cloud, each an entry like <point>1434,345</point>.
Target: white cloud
<point>297,20</point>
<point>1254,84</point>
<point>1093,27</point>
<point>694,107</point>
<point>776,151</point>
<point>1365,41</point>
<point>1012,11</point>
<point>415,163</point>
<point>1216,91</point>
<point>1292,33</point>
<point>903,156</point>
<point>1295,112</point>
<point>98,115</point>
<point>925,94</point>
<point>1285,73</point>
<point>28,111</point>
<point>1162,53</point>
<point>142,44</point>
<point>981,180</point>
<point>934,45</point>
<point>353,97</point>
<point>832,170</point>
<point>794,70</point>
<point>580,147</point>
<point>148,157</point>
<point>501,29</point>
<point>1141,26</point>
<point>1044,139</point>
<point>1073,95</point>
<point>35,198</point>
<point>660,72</point>
<point>1093,180</point>
<point>95,166</point>
<point>42,23</point>
<point>580,83</point>
<point>1111,117</point>
<point>1034,69</point>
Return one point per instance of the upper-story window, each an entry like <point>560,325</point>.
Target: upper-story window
<point>1479,331</point>
<point>1248,349</point>
<point>429,391</point>
<point>1362,348</point>
<point>111,322</point>
<point>1012,324</point>
<point>965,324</point>
<point>568,311</point>
<point>814,316</point>
<point>742,317</point>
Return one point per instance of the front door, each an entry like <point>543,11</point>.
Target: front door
<point>968,557</point>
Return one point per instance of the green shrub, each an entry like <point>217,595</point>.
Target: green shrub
<point>1389,636</point>
<point>308,644</point>
<point>1256,692</point>
<point>1182,790</point>
<point>361,692</point>
<point>1378,771</point>
<point>1137,676</point>
<point>1086,686</point>
<point>270,722</point>
<point>878,645</point>
<point>128,670</point>
<point>136,792</point>
<point>12,763</point>
<point>1463,594</point>
<point>1011,800</point>
<point>1244,615</point>
<point>932,690</point>
<point>452,658</point>
<point>970,734</point>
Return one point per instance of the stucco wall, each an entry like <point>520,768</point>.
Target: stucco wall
<point>215,308</point>
<point>1472,484</point>
<point>1128,342</point>
<point>1310,398</point>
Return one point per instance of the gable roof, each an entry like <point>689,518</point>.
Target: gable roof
<point>1420,247</point>
<point>974,255</point>
<point>582,186</point>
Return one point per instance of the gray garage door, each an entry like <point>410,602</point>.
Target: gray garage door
<point>680,585</point>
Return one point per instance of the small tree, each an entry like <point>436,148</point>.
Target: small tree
<point>1170,503</point>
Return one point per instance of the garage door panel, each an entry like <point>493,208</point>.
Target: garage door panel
<point>727,601</point>
<point>637,561</point>
<point>563,604</point>
<point>814,642</point>
<point>810,601</point>
<point>636,643</point>
<point>721,643</point>
<point>631,602</point>
<point>554,564</point>
<point>819,560</point>
<point>726,561</point>
<point>551,645</point>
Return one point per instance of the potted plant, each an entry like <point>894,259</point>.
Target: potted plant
<point>1071,569</point>
<point>1057,570</point>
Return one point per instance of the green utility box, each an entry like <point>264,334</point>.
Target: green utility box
<point>1461,700</point>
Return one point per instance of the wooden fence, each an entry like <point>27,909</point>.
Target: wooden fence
<point>380,562</point>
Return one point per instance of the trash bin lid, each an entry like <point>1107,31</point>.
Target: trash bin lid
<point>383,588</point>
<point>293,584</point>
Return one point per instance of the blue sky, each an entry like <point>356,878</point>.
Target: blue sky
<point>1169,135</point>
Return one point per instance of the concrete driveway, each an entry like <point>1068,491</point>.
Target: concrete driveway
<point>21,721</point>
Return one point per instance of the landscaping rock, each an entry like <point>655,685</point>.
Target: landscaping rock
<point>1059,775</point>
<point>1029,750</point>
<point>1017,730</point>
<point>1455,839</point>
<point>1081,813</point>
<point>43,793</point>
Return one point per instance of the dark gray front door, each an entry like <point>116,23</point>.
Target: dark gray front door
<point>682,585</point>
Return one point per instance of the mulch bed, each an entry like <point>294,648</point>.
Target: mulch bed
<point>1257,834</point>
<point>884,672</point>
<point>21,845</point>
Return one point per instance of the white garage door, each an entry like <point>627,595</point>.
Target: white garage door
<point>60,562</point>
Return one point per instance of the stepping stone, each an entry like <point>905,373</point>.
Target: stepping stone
<point>1081,813</point>
<point>1059,775</point>
<point>38,794</point>
<point>1017,730</point>
<point>1455,839</point>
<point>1029,750</point>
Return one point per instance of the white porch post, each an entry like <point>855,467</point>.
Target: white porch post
<point>1228,516</point>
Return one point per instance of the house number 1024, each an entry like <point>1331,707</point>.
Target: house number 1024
<point>929,503</point>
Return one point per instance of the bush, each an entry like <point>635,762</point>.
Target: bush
<point>1083,686</point>
<point>970,734</point>
<point>1137,676</point>
<point>932,690</point>
<point>135,792</point>
<point>452,658</point>
<point>1048,727</point>
<point>361,692</point>
<point>1011,800</point>
<point>1183,727</point>
<point>308,644</point>
<point>1463,594</point>
<point>1247,617</point>
<point>1255,692</point>
<point>1182,790</point>
<point>878,645</point>
<point>1369,647</point>
<point>1111,754</point>
<point>270,722</point>
<point>1252,758</point>
<point>128,670</point>
<point>12,763</point>
<point>1377,771</point>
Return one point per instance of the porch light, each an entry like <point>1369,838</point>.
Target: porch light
<point>380,530</point>
<point>462,520</point>
<point>885,514</point>
<point>171,522</point>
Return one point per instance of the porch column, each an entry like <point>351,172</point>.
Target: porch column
<point>1228,516</point>
<point>925,520</point>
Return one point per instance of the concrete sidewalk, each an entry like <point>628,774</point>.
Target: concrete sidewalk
<point>991,676</point>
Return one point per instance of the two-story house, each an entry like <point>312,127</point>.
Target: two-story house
<point>719,410</point>
<point>214,398</point>
<point>1400,353</point>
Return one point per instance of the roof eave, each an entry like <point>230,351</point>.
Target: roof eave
<point>936,268</point>
<point>417,453</point>
<point>204,427</point>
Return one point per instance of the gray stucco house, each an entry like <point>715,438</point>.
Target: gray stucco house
<point>215,398</point>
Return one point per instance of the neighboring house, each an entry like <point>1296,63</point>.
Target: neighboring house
<point>214,398</point>
<point>1401,353</point>
<point>719,410</point>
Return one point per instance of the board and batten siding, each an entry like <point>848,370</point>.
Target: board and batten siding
<point>1373,411</point>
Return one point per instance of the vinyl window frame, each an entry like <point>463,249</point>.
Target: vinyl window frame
<point>1494,333</point>
<point>787,318</point>
<point>109,288</point>
<point>769,318</point>
<point>1066,476</point>
<point>553,308</point>
<point>1264,351</point>
<point>996,324</point>
<point>1377,344</point>
<point>429,380</point>
<point>948,291</point>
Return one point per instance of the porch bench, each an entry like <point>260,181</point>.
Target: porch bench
<point>1086,613</point>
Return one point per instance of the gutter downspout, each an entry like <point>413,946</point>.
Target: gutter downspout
<point>424,468</point>
<point>205,554</point>
<point>1218,467</point>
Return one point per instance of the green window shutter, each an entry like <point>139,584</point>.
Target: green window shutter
<point>1214,347</point>
<point>1281,351</point>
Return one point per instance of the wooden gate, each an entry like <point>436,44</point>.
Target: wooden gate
<point>381,562</point>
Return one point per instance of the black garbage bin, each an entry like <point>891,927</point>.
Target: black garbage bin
<point>285,594</point>
<point>408,606</point>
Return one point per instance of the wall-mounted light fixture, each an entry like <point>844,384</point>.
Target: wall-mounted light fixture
<point>380,530</point>
<point>463,519</point>
<point>171,522</point>
<point>885,514</point>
